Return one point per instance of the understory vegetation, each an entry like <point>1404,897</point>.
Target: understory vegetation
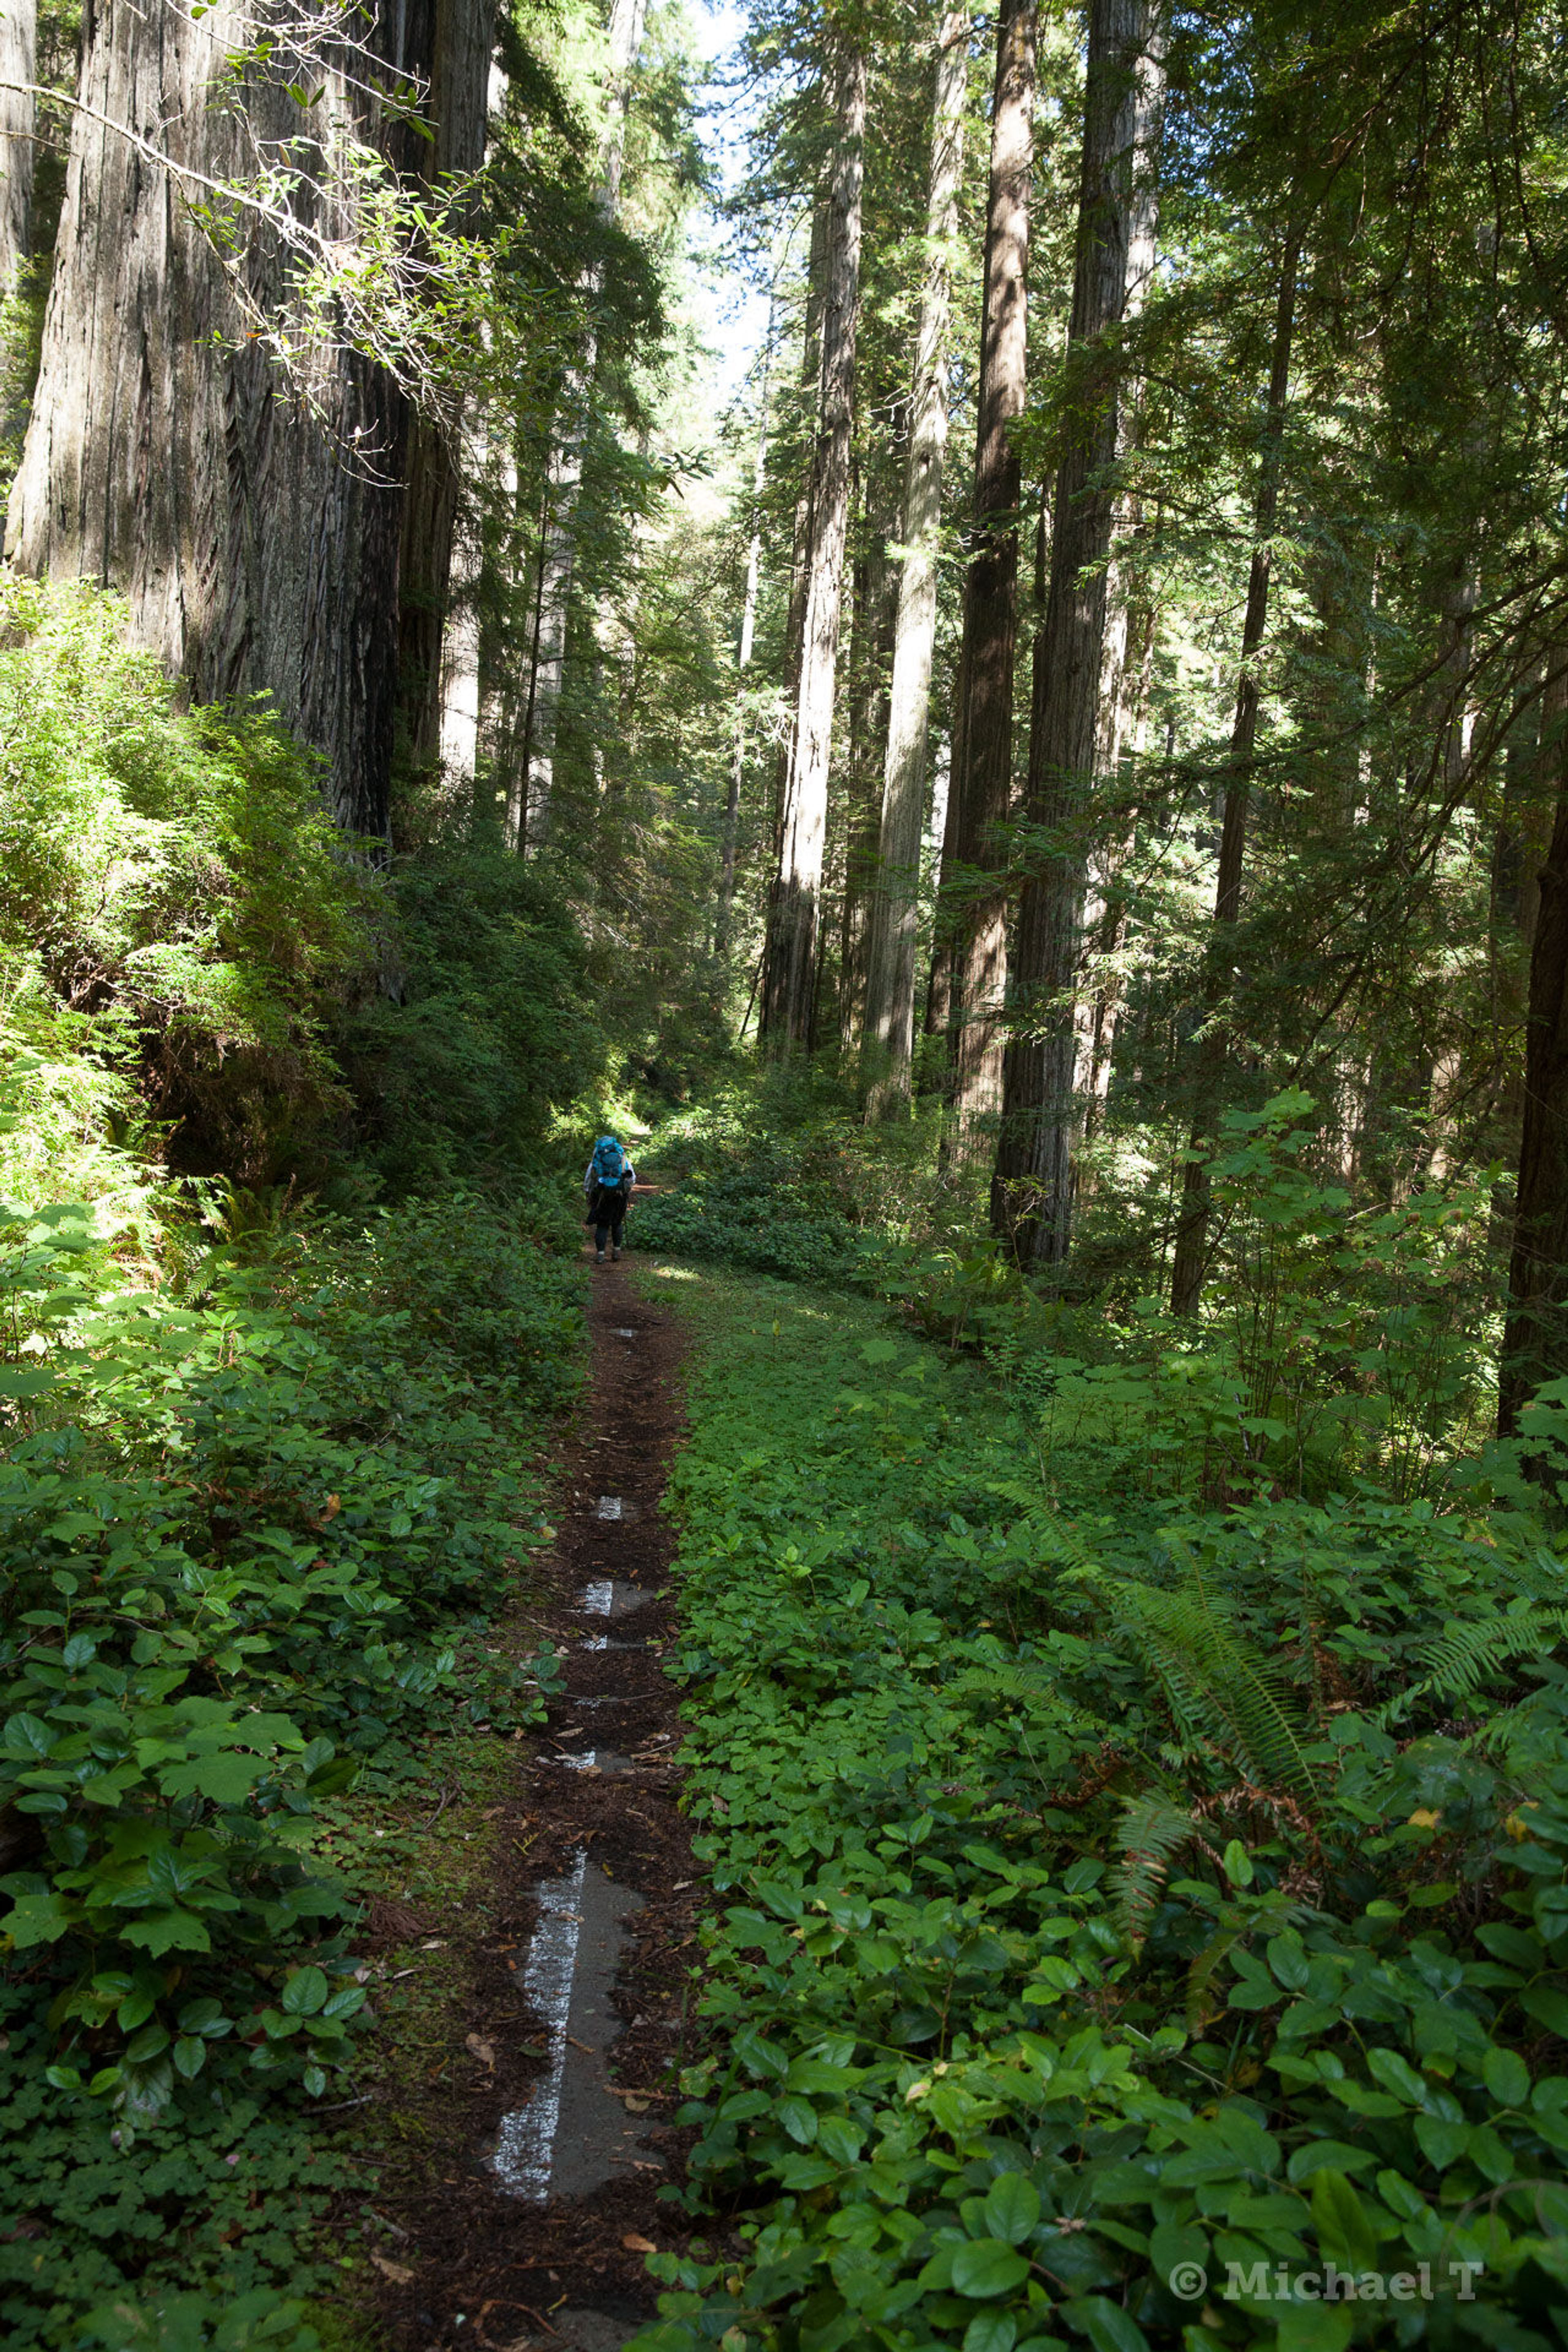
<point>269,1466</point>
<point>1135,1901</point>
<point>957,623</point>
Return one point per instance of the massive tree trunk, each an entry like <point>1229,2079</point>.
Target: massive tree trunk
<point>889,1042</point>
<point>531,786</point>
<point>164,458</point>
<point>1032,1197</point>
<point>981,788</point>
<point>18,63</point>
<point>742,664</point>
<point>871,655</point>
<point>790,971</point>
<point>1192,1231</point>
<point>1535,1337</point>
<point>459,95</point>
<point>800,533</point>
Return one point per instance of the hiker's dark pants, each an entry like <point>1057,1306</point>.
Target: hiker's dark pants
<point>608,1214</point>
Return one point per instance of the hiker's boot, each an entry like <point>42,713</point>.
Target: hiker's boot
<point>598,1257</point>
<point>616,1253</point>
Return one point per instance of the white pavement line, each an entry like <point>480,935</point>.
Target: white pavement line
<point>525,2144</point>
<point>598,1597</point>
<point>609,1507</point>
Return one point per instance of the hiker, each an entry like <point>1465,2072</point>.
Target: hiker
<point>607,1187</point>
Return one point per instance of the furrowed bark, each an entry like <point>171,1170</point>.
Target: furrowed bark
<point>531,785</point>
<point>1192,1231</point>
<point>742,664</point>
<point>458,106</point>
<point>888,1043</point>
<point>982,736</point>
<point>164,457</point>
<point>1535,1336</point>
<point>789,977</point>
<point>1032,1191</point>
<point>18,64</point>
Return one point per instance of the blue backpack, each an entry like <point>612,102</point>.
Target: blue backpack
<point>609,1161</point>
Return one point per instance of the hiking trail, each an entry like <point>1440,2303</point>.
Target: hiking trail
<point>537,2239</point>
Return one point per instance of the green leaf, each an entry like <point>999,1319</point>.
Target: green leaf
<point>1237,1863</point>
<point>1327,2156</point>
<point>26,1735</point>
<point>1548,2007</point>
<point>1339,2217</point>
<point>1491,2155</point>
<point>798,2118</point>
<point>985,2267</point>
<point>1315,2328</point>
<point>991,2331</point>
<point>190,2056</point>
<point>305,1992</point>
<point>205,2017</point>
<point>1507,2078</point>
<point>1012,2207</point>
<point>1107,2327</point>
<point>226,1780</point>
<point>1440,2142</point>
<point>839,2138</point>
<point>37,1919</point>
<point>167,1931</point>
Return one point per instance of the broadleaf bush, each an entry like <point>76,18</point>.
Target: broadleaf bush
<point>1122,1886</point>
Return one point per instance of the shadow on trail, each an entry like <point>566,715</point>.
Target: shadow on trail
<point>535,2235</point>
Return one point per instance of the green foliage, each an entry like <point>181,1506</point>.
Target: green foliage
<point>778,1172</point>
<point>1088,1918</point>
<point>492,1023</point>
<point>173,881</point>
<point>250,1534</point>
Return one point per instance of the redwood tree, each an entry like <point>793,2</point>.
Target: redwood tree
<point>890,955</point>
<point>257,538</point>
<point>981,789</point>
<point>789,979</point>
<point>1123,96</point>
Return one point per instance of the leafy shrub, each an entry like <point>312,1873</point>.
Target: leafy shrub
<point>173,878</point>
<point>491,1023</point>
<point>250,1533</point>
<point>1118,1888</point>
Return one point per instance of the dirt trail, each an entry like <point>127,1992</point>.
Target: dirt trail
<point>549,2142</point>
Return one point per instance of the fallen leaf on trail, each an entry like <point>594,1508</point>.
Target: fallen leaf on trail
<point>636,2245</point>
<point>398,2273</point>
<point>629,2099</point>
<point>435,1944</point>
<point>480,2049</point>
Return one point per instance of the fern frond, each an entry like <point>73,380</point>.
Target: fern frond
<point>1458,1664</point>
<point>1063,1546</point>
<point>1152,1831</point>
<point>1542,1579</point>
<point>1218,1688</point>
